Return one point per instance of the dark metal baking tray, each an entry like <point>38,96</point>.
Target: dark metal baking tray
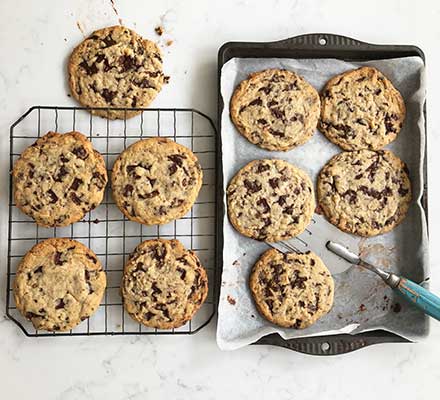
<point>318,45</point>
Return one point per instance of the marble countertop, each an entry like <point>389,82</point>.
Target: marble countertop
<point>36,39</point>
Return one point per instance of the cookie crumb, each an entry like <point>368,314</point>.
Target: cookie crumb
<point>252,316</point>
<point>69,95</point>
<point>96,221</point>
<point>169,42</point>
<point>362,307</point>
<point>231,300</point>
<point>166,79</point>
<point>396,308</point>
<point>159,30</point>
<point>236,263</point>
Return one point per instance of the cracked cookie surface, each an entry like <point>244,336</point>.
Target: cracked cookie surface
<point>58,179</point>
<point>291,290</point>
<point>275,109</point>
<point>163,284</point>
<point>365,192</point>
<point>115,67</point>
<point>155,181</point>
<point>59,283</point>
<point>270,200</point>
<point>361,109</point>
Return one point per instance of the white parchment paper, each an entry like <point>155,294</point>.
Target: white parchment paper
<point>362,301</point>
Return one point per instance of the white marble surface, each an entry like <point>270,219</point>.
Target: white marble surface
<point>35,39</point>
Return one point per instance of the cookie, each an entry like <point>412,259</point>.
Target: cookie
<point>365,192</point>
<point>58,179</point>
<point>115,67</point>
<point>275,109</point>
<point>361,109</point>
<point>59,283</point>
<point>291,290</point>
<point>163,284</point>
<point>270,200</point>
<point>155,181</point>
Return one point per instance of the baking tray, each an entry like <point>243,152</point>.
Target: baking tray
<point>105,229</point>
<point>319,45</point>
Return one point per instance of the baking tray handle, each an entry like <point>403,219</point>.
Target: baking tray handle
<point>327,40</point>
<point>331,345</point>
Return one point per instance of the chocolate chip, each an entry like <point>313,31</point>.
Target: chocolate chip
<point>402,191</point>
<point>39,270</point>
<point>301,304</point>
<point>90,257</point>
<point>30,315</point>
<point>127,63</point>
<point>53,196</point>
<point>80,152</point>
<point>264,204</point>
<point>297,324</point>
<point>75,184</point>
<point>134,102</point>
<point>148,315</point>
<point>262,121</point>
<point>351,194</point>
<point>155,288</point>
<point>128,190</point>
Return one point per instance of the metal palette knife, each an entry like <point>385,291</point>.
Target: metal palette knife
<point>339,257</point>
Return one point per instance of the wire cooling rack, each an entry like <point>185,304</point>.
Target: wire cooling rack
<point>105,229</point>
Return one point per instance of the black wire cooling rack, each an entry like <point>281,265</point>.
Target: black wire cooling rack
<point>105,229</point>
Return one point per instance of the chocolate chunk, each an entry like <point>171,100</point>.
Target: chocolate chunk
<point>127,63</point>
<point>148,315</point>
<point>172,168</point>
<point>177,158</point>
<point>256,102</point>
<point>128,190</point>
<point>402,191</point>
<point>155,288</point>
<point>108,95</point>
<point>99,180</point>
<point>75,199</point>
<point>144,84</point>
<point>182,273</point>
<point>150,195</point>
<point>351,194</point>
<point>297,324</point>
<point>262,167</point>
<point>262,121</point>
<point>61,174</point>
<point>108,40</point>
<point>57,258</point>
<point>277,113</point>
<point>80,152</point>
<point>252,187</point>
<point>90,69</point>
<point>60,304</point>
<point>276,133</point>
<point>38,270</point>
<point>264,204</point>
<point>265,89</point>
<point>76,183</point>
<point>282,199</point>
<point>274,182</point>
<point>100,57</point>
<point>53,196</point>
<point>90,257</point>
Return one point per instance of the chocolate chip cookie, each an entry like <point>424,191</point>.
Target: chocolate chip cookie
<point>58,179</point>
<point>365,192</point>
<point>361,109</point>
<point>59,283</point>
<point>163,284</point>
<point>275,109</point>
<point>270,200</point>
<point>115,67</point>
<point>291,290</point>
<point>156,181</point>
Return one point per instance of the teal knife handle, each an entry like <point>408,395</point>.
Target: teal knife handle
<point>426,301</point>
